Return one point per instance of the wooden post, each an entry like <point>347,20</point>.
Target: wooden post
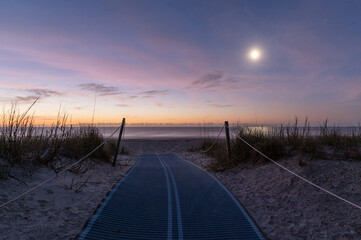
<point>119,139</point>
<point>228,140</point>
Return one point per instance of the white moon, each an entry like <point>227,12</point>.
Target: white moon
<point>255,54</point>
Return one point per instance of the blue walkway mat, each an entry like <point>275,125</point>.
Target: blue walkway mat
<point>166,197</point>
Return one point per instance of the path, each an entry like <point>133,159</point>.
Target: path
<point>166,197</point>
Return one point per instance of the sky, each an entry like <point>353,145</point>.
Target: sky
<point>182,62</point>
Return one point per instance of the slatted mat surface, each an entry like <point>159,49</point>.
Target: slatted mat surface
<point>166,197</point>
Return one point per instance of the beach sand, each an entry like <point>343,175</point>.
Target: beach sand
<point>56,210</point>
<point>283,206</point>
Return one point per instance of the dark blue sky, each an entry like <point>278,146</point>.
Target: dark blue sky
<point>184,61</point>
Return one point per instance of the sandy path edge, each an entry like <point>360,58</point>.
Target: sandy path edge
<point>104,198</point>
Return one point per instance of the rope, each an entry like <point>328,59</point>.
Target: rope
<point>300,177</point>
<point>65,169</point>
<point>214,140</point>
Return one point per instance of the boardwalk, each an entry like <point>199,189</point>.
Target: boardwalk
<point>166,197</point>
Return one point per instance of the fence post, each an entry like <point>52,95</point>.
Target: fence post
<point>228,140</point>
<point>119,139</point>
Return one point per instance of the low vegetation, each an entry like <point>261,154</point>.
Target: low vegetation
<point>286,141</point>
<point>27,146</point>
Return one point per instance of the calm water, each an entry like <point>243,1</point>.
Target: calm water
<point>163,132</point>
<point>200,132</point>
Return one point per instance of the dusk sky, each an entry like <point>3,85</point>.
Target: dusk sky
<point>183,61</point>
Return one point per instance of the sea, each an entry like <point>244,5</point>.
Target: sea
<point>164,132</point>
<point>208,132</point>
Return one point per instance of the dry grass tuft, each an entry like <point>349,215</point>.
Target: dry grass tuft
<point>27,146</point>
<point>285,141</point>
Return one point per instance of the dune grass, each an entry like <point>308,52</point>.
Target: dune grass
<point>286,141</point>
<point>25,145</point>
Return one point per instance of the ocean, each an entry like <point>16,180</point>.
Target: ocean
<point>204,132</point>
<point>163,132</point>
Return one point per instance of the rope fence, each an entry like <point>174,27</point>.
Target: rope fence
<point>215,141</point>
<point>64,170</point>
<point>205,151</point>
<point>298,176</point>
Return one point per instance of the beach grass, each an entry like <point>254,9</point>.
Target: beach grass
<point>26,145</point>
<point>286,141</point>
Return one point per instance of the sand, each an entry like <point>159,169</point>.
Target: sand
<point>60,208</point>
<point>283,206</point>
<point>287,208</point>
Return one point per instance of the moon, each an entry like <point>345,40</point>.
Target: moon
<point>254,54</point>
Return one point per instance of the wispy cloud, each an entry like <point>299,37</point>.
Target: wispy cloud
<point>35,94</point>
<point>44,92</point>
<point>140,66</point>
<point>153,93</point>
<point>100,88</point>
<point>26,99</point>
<point>219,80</point>
<point>209,80</point>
